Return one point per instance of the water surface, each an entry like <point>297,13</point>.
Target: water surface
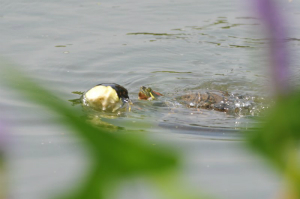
<point>172,46</point>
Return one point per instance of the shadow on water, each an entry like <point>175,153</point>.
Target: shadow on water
<point>206,132</point>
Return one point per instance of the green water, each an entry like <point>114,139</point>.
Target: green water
<point>172,46</point>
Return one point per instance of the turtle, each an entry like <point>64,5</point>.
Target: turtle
<point>215,100</point>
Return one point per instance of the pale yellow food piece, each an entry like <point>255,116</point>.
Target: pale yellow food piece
<point>103,98</point>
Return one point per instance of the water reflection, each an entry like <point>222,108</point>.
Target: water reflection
<point>189,32</point>
<point>188,48</point>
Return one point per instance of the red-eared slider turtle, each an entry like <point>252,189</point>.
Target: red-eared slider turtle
<point>214,100</point>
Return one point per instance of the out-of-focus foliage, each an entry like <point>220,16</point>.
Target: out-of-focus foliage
<point>3,169</point>
<point>278,139</point>
<point>3,178</point>
<point>114,157</point>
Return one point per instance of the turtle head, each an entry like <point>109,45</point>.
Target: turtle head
<point>146,93</point>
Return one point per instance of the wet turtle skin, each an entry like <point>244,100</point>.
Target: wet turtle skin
<point>216,100</point>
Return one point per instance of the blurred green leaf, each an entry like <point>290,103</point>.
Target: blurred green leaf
<point>113,156</point>
<point>277,139</point>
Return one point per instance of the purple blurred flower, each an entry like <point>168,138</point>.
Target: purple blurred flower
<point>274,22</point>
